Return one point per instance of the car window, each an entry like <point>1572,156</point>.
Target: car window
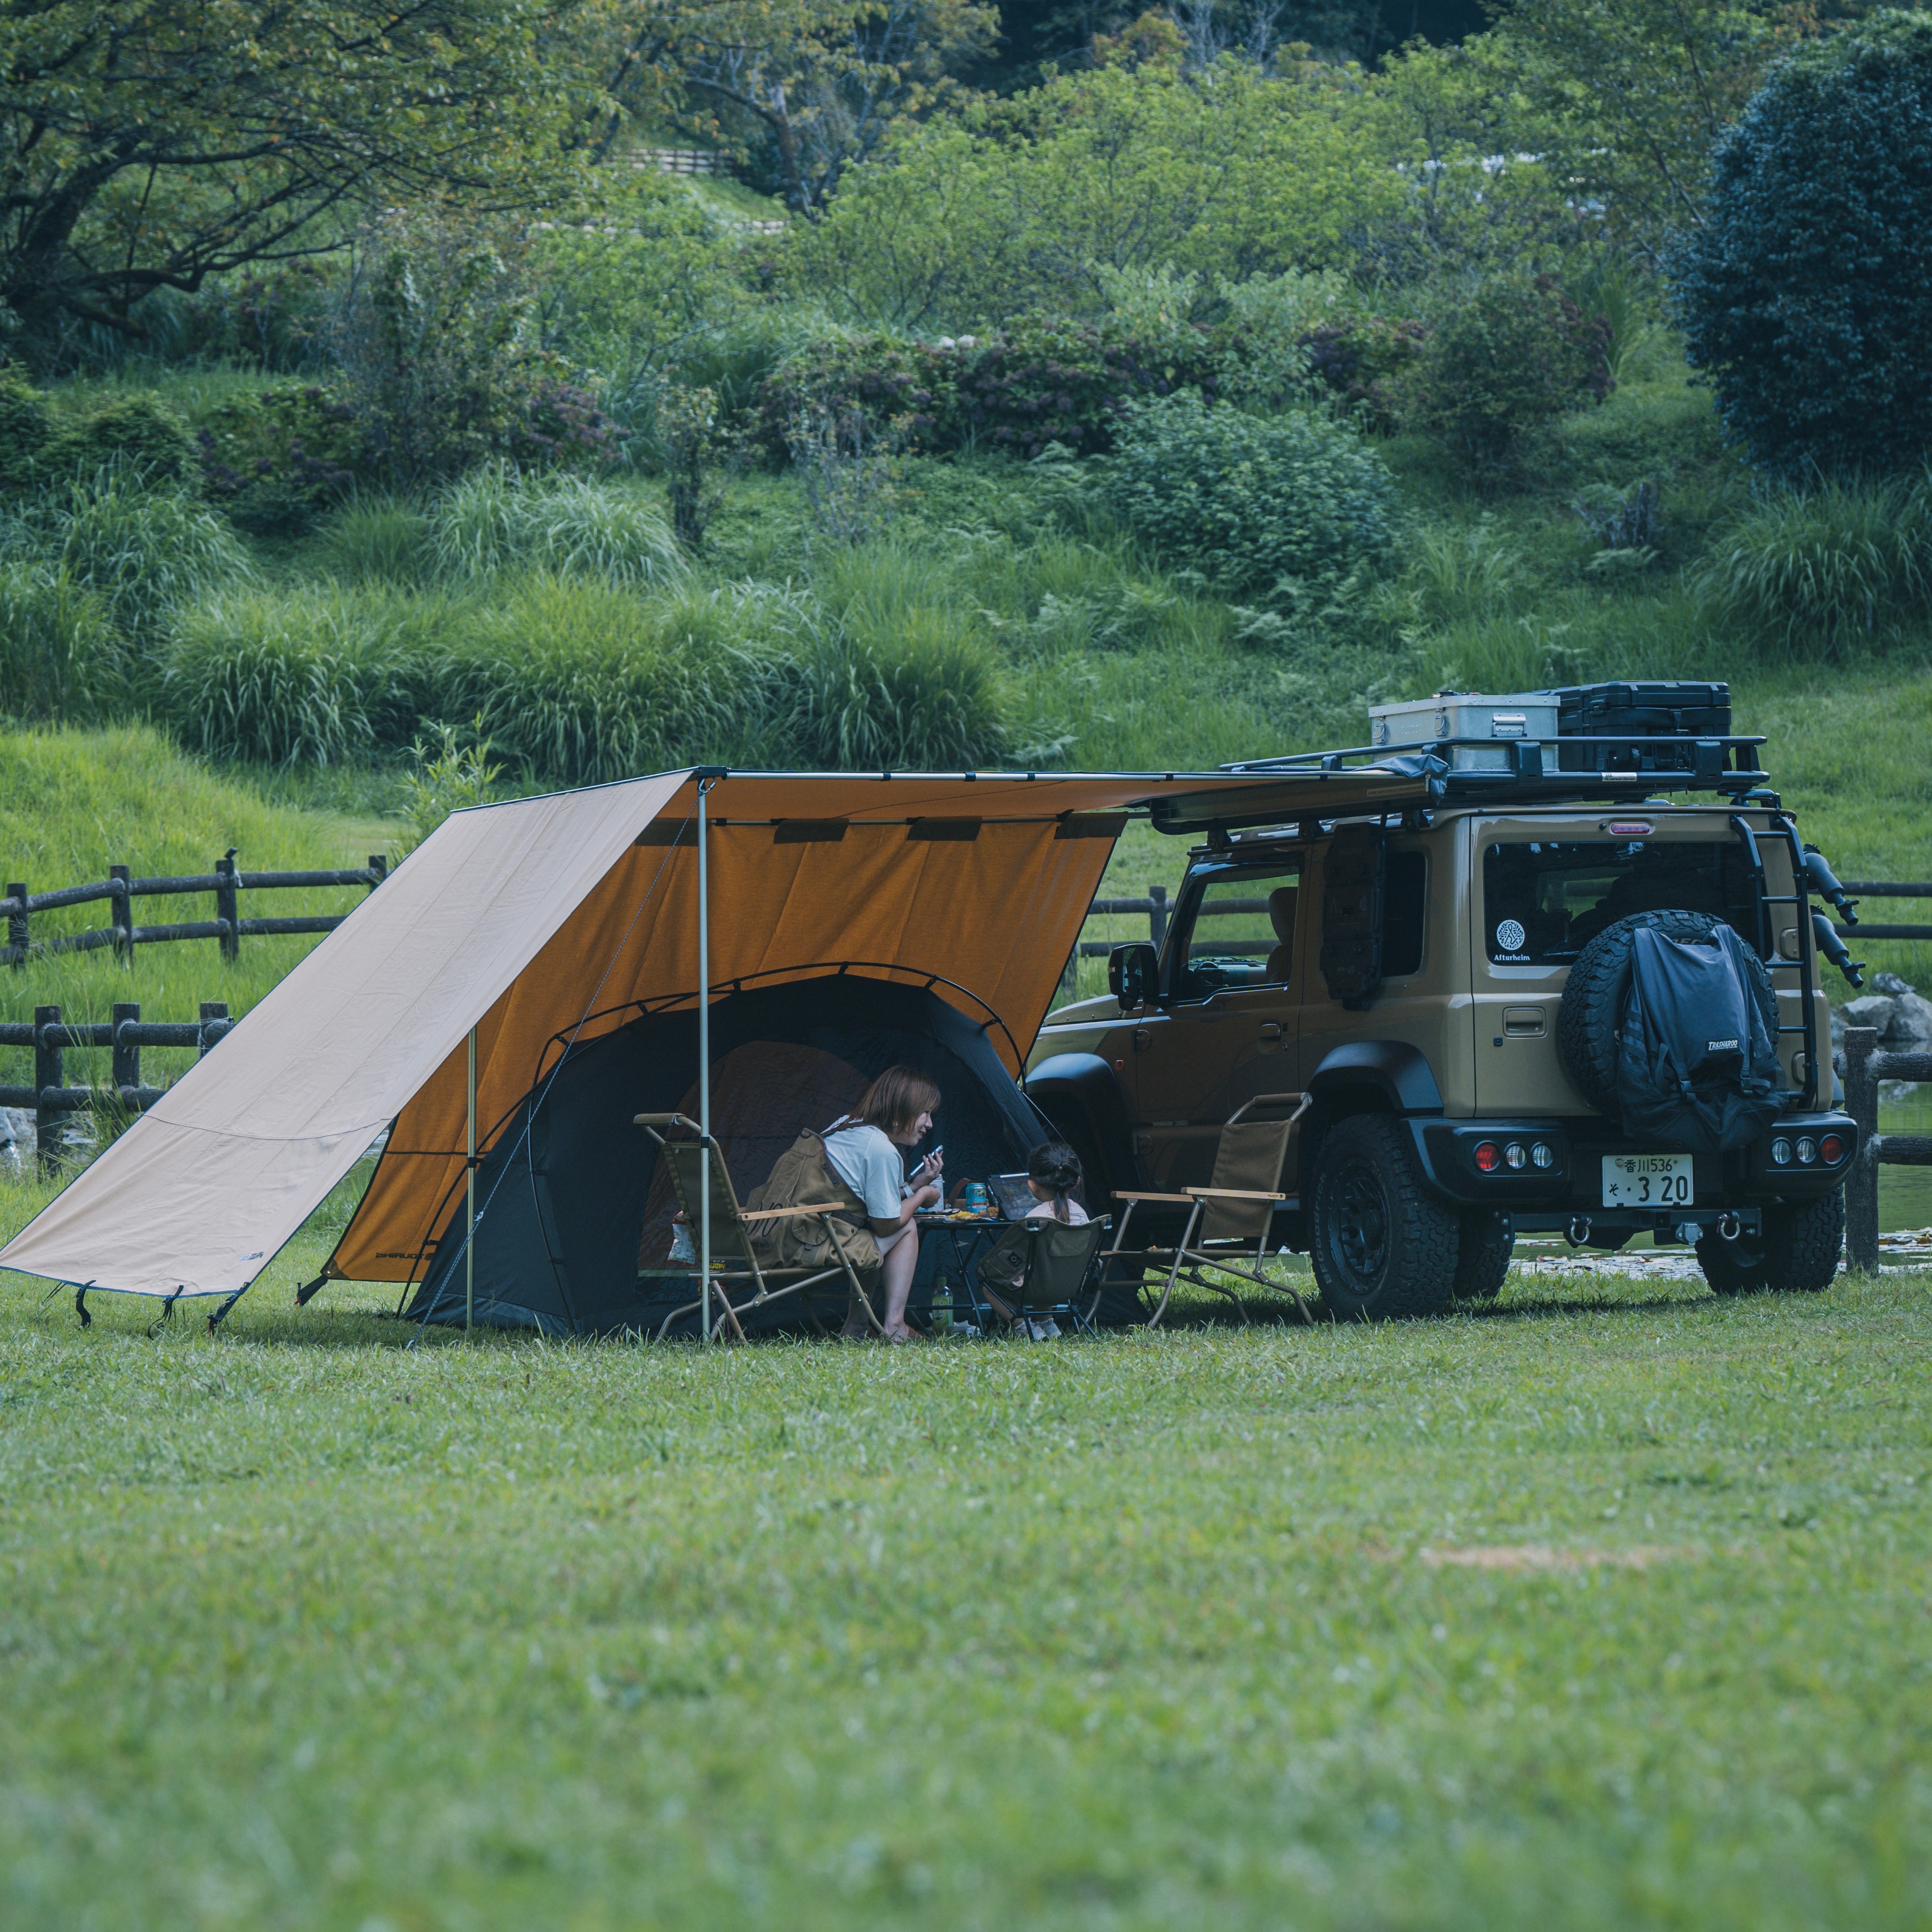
<point>1545,901</point>
<point>1405,899</point>
<point>1242,932</point>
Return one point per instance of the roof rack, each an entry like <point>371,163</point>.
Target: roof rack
<point>1366,778</point>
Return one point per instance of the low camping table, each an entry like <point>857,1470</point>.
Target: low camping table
<point>966,1241</point>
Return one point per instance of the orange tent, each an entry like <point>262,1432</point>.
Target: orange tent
<point>542,920</point>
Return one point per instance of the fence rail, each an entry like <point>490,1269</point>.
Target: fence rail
<point>1880,888</point>
<point>227,882</point>
<point>1865,1066</point>
<point>54,1102</point>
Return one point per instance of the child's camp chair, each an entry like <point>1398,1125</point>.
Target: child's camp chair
<point>1229,1219</point>
<point>1060,1279</point>
<point>735,1266</point>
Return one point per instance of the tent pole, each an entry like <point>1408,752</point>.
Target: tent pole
<point>704,1053</point>
<point>470,1246</point>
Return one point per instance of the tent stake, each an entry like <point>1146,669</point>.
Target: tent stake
<point>704,1053</point>
<point>470,1246</point>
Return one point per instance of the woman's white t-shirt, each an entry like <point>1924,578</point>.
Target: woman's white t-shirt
<point>870,1165</point>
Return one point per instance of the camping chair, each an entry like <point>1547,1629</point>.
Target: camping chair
<point>1061,1278</point>
<point>1228,1220</point>
<point>734,1261</point>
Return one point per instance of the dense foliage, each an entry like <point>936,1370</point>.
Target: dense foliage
<point>1805,293</point>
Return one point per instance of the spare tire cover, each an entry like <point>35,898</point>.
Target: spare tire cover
<point>1588,1020</point>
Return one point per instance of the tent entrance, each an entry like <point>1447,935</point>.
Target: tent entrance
<point>576,1210</point>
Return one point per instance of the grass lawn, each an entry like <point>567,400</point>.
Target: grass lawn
<point>1607,1607</point>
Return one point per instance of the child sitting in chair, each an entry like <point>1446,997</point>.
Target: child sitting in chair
<point>1053,1174</point>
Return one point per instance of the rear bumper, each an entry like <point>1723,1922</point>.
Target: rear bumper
<point>1748,1177</point>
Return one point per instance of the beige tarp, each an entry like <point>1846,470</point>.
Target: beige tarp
<point>532,920</point>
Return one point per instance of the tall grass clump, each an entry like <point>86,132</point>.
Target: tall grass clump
<point>307,678</point>
<point>146,548</point>
<point>376,539</point>
<point>578,683</point>
<point>920,696</point>
<point>1831,567</point>
<point>498,519</point>
<point>61,656</point>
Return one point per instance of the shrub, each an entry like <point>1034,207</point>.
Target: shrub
<point>882,379</point>
<point>1513,356</point>
<point>446,775</point>
<point>1365,363</point>
<point>25,426</point>
<point>579,683</point>
<point>1805,293</point>
<point>1044,381</point>
<point>144,551</point>
<point>915,696</point>
<point>276,462</point>
<point>376,539</point>
<point>60,656</point>
<point>1833,566</point>
<point>136,432</point>
<point>1249,500</point>
<point>500,519</point>
<point>436,336</point>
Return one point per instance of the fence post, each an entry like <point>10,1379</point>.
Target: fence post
<point>211,1010</point>
<point>123,913</point>
<point>46,1074</point>
<point>379,864</point>
<point>17,923</point>
<point>1157,916</point>
<point>126,1062</point>
<point>227,905</point>
<point>1861,1183</point>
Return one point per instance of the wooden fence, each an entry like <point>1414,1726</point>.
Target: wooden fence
<point>227,883</point>
<point>1865,1066</point>
<point>1871,889</point>
<point>679,161</point>
<point>54,1102</point>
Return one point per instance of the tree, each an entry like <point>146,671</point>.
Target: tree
<point>824,80</point>
<point>1803,293</point>
<point>150,144</point>
<point>1623,98</point>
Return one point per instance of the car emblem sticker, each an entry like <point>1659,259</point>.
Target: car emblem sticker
<point>1510,936</point>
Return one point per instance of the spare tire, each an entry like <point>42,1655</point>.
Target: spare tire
<point>1591,1016</point>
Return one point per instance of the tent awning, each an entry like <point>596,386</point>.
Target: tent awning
<point>533,919</point>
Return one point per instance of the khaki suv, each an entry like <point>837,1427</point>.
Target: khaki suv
<point>1430,947</point>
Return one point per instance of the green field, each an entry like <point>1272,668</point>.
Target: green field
<point>1603,1608</point>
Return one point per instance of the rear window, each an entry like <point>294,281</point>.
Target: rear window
<point>1544,902</point>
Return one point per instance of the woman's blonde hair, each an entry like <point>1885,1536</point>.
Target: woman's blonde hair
<point>895,1100</point>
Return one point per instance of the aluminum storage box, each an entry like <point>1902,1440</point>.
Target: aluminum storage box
<point>1502,721</point>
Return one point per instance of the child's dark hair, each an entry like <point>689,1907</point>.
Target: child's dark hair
<point>1056,1167</point>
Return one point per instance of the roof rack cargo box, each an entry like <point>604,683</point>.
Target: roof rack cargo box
<point>1523,714</point>
<point>1665,711</point>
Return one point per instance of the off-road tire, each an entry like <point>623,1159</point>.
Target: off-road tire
<point>1485,1242</point>
<point>1591,1015</point>
<point>1796,1254</point>
<point>1382,1246</point>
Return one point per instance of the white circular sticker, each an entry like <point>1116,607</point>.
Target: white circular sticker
<point>1510,936</point>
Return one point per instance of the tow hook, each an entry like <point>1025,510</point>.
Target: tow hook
<point>1729,1227</point>
<point>1578,1232</point>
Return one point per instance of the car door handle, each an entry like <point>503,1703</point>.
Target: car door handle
<point>1270,1029</point>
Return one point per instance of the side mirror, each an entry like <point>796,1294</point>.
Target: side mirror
<point>1132,974</point>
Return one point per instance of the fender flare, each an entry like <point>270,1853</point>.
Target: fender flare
<point>1399,1072</point>
<point>1084,1086</point>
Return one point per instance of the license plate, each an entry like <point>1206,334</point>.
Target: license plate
<point>1646,1180</point>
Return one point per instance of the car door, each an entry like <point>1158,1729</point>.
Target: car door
<point>1225,1029</point>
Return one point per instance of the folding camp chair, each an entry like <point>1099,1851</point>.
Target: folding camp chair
<point>734,1260</point>
<point>1233,1213</point>
<point>1059,1280</point>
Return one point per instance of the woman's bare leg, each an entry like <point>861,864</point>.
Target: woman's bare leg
<point>901,1258</point>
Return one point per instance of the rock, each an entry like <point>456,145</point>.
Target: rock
<point>1911,1029</point>
<point>1889,983</point>
<point>19,1143</point>
<point>1870,1009</point>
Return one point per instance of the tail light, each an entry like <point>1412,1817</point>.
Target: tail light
<point>1831,1149</point>
<point>1489,1156</point>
